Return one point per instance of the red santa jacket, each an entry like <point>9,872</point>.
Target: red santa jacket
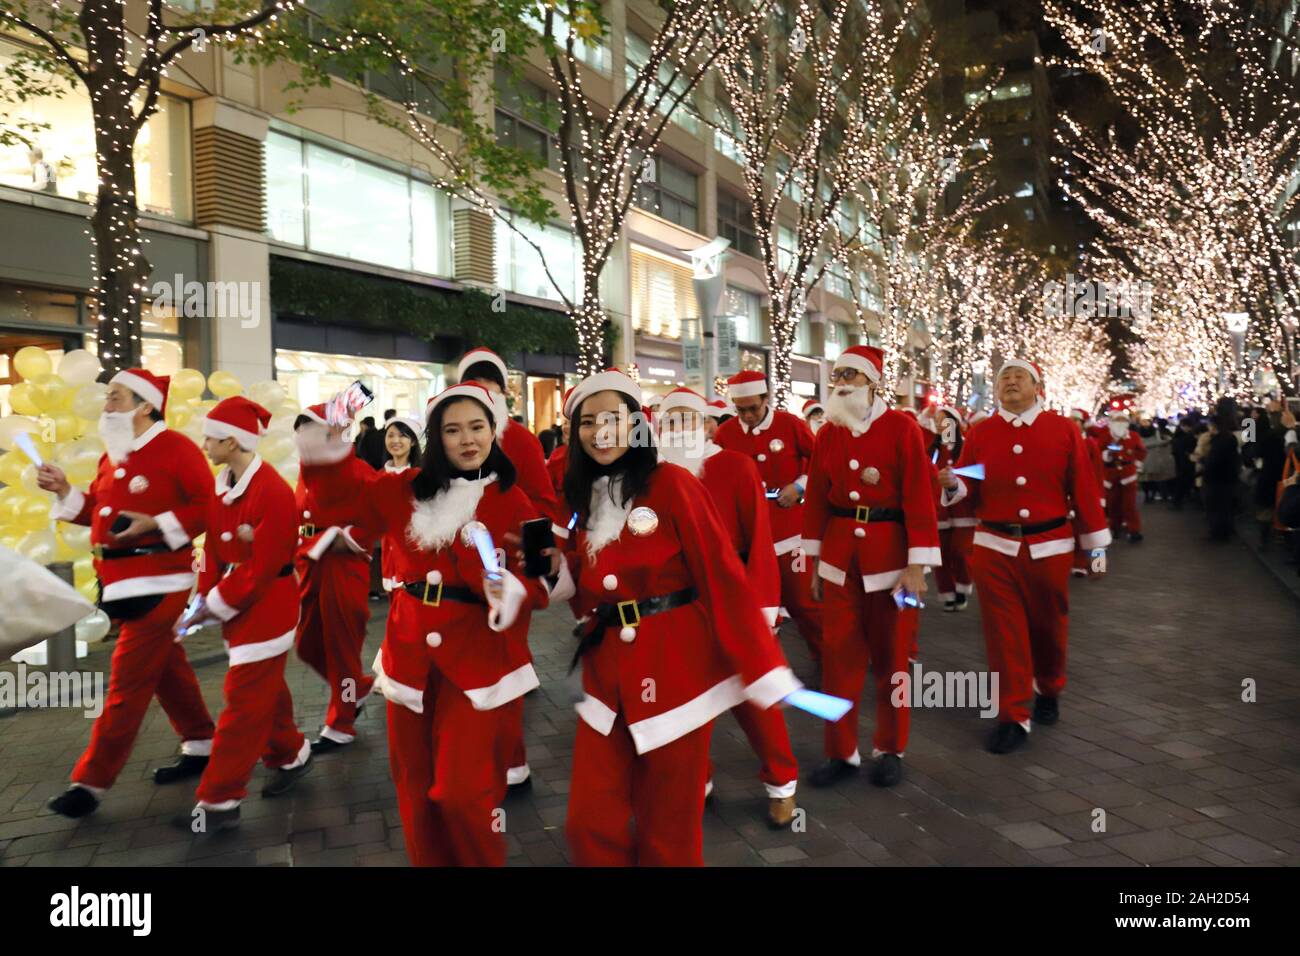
<point>891,443</point>
<point>737,492</point>
<point>782,446</point>
<point>483,651</point>
<point>1121,458</point>
<point>320,524</point>
<point>247,575</point>
<point>164,475</point>
<point>675,671</point>
<point>1036,469</point>
<point>555,467</point>
<point>962,513</point>
<point>524,450</point>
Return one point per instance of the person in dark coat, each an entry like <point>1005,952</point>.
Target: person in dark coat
<point>1270,458</point>
<point>1184,443</point>
<point>1219,470</point>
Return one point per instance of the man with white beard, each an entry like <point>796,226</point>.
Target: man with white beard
<point>869,519</point>
<point>814,413</point>
<point>737,492</point>
<point>1123,452</point>
<point>146,505</point>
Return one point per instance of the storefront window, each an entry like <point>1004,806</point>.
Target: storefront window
<point>61,158</point>
<point>803,336</point>
<point>663,294</point>
<point>312,377</point>
<point>332,203</point>
<point>521,269</point>
<point>747,309</point>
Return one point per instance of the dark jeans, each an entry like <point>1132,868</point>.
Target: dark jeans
<point>1220,508</point>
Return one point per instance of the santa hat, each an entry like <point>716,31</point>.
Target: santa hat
<point>652,401</point>
<point>316,413</point>
<point>239,418</point>
<point>936,409</point>
<point>464,390</point>
<point>145,385</point>
<point>685,398</point>
<point>564,399</point>
<point>746,384</point>
<point>718,408</point>
<point>812,405</point>
<point>610,380</point>
<point>865,358</point>
<point>1080,414</point>
<point>410,421</point>
<point>478,356</point>
<point>1032,368</point>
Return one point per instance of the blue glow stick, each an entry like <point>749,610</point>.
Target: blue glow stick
<point>906,599</point>
<point>970,471</point>
<point>24,441</point>
<point>573,522</point>
<point>818,704</point>
<point>935,457</point>
<point>488,552</point>
<point>775,493</point>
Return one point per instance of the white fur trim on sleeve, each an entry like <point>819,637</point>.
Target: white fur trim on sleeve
<point>770,615</point>
<point>218,604</point>
<point>323,543</point>
<point>316,446</point>
<point>347,536</point>
<point>69,506</point>
<point>564,586</point>
<point>930,557</point>
<point>774,686</point>
<point>501,616</point>
<point>172,531</point>
<point>951,496</point>
<point>1095,539</point>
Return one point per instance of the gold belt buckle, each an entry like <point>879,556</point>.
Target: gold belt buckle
<point>307,530</point>
<point>98,551</point>
<point>438,595</point>
<point>863,515</point>
<point>622,613</point>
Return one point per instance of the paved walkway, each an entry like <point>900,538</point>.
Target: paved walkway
<point>1154,732</point>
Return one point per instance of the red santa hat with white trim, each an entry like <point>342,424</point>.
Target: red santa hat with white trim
<point>812,405</point>
<point>410,421</point>
<point>1035,372</point>
<point>683,398</point>
<point>481,355</point>
<point>746,384</point>
<point>1081,415</point>
<point>463,390</point>
<point>239,418</point>
<point>717,408</point>
<point>610,380</point>
<point>316,413</point>
<point>865,358</point>
<point>145,385</point>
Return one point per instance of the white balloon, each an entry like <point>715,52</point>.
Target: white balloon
<point>93,627</point>
<point>10,425</point>
<point>79,367</point>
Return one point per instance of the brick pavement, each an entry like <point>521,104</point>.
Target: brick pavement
<point>1153,731</point>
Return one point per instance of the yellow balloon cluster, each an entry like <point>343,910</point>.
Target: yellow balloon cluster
<point>59,410</point>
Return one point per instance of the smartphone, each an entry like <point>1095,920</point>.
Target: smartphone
<point>347,403</point>
<point>537,537</point>
<point>775,493</point>
<point>120,525</point>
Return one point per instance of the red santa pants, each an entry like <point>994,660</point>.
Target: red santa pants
<point>1024,607</point>
<point>449,769</point>
<point>953,576</point>
<point>1122,505</point>
<point>770,740</point>
<point>864,629</point>
<point>147,663</point>
<point>796,598</point>
<point>335,596</point>
<point>662,790</point>
<point>256,722</point>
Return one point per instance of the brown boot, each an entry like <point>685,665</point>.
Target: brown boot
<point>780,812</point>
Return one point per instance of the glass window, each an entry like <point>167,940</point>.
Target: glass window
<point>670,78</point>
<point>311,377</point>
<point>285,181</point>
<point>803,335</point>
<point>663,294</point>
<point>747,309</point>
<point>736,222</point>
<point>727,138</point>
<point>836,281</point>
<point>669,191</point>
<point>785,246</point>
<point>521,269</point>
<point>61,158</point>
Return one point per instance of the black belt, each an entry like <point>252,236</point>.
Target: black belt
<point>624,614</point>
<point>862,514</point>
<point>284,572</point>
<point>108,554</point>
<point>306,530</point>
<point>434,594</point>
<point>1022,530</point>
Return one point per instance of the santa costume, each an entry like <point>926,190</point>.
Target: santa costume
<point>736,490</point>
<point>247,581</point>
<point>1036,470</point>
<point>666,648</point>
<point>334,594</point>
<point>144,583</point>
<point>1122,455</point>
<point>956,523</point>
<point>781,445</point>
<point>1083,559</point>
<point>453,662</point>
<point>389,546</point>
<point>870,514</point>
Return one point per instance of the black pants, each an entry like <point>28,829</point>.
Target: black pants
<point>1220,508</point>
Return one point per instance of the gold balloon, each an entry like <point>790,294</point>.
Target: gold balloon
<point>224,384</point>
<point>67,426</point>
<point>33,513</point>
<point>178,416</point>
<point>89,590</point>
<point>83,570</point>
<point>28,480</point>
<point>21,399</point>
<point>12,465</point>
<point>268,394</point>
<point>276,449</point>
<point>79,367</point>
<point>81,471</point>
<point>33,361</point>
<point>39,546</point>
<point>52,394</point>
<point>75,536</point>
<point>186,384</point>
<point>88,402</point>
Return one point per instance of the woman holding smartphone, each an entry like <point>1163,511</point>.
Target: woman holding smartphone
<point>451,661</point>
<point>666,647</point>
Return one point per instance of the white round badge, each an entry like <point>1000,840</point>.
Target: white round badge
<point>870,475</point>
<point>642,521</point>
<point>776,445</point>
<point>139,485</point>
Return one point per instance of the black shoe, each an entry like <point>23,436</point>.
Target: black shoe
<point>207,822</point>
<point>283,780</point>
<point>887,771</point>
<point>1006,738</point>
<point>74,802</point>
<point>189,765</point>
<point>1047,710</point>
<point>521,786</point>
<point>1135,537</point>
<point>962,601</point>
<point>950,605</point>
<point>832,771</point>
<point>323,745</point>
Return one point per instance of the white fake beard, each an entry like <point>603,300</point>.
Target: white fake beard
<point>849,410</point>
<point>117,433</point>
<point>817,423</point>
<point>436,521</point>
<point>1118,430</point>
<point>500,412</point>
<point>607,518</point>
<point>685,448</point>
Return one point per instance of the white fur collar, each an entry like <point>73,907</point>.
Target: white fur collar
<point>436,521</point>
<point>607,518</point>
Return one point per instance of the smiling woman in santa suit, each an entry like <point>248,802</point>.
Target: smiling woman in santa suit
<point>453,656</point>
<point>666,647</point>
